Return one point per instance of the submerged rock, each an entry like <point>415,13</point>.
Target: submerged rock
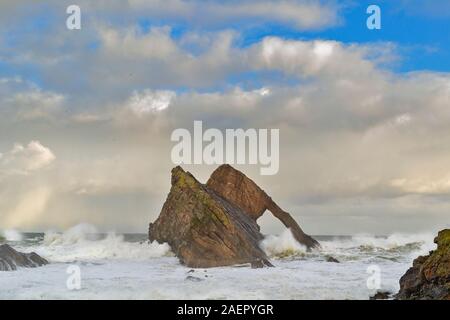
<point>381,295</point>
<point>429,277</point>
<point>214,225</point>
<point>194,279</point>
<point>331,259</point>
<point>11,259</point>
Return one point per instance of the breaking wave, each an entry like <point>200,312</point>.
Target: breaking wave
<point>393,243</point>
<point>11,235</point>
<point>83,242</point>
<point>283,245</point>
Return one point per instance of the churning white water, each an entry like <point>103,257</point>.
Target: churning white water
<point>11,235</point>
<point>127,267</point>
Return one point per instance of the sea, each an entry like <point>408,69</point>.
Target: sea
<point>86,264</point>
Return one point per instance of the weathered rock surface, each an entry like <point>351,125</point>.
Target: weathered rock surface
<point>11,259</point>
<point>429,277</point>
<point>209,225</point>
<point>238,189</point>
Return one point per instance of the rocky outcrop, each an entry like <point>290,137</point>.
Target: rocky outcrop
<point>429,277</point>
<point>209,225</point>
<point>11,259</point>
<point>203,229</point>
<point>238,189</point>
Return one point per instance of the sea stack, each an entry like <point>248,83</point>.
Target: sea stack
<point>215,224</point>
<point>429,277</point>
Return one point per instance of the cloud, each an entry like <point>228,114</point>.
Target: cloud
<point>34,104</point>
<point>128,59</point>
<point>23,100</point>
<point>26,159</point>
<point>149,101</point>
<point>155,59</point>
<point>301,14</point>
<point>359,142</point>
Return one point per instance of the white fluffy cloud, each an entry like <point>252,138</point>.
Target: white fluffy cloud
<point>26,159</point>
<point>148,101</point>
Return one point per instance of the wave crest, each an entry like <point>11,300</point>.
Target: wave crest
<point>12,235</point>
<point>283,245</point>
<point>82,242</point>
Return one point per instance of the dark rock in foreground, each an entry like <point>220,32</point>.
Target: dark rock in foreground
<point>429,277</point>
<point>11,259</point>
<point>215,224</point>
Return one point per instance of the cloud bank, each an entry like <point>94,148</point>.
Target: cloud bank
<point>363,148</point>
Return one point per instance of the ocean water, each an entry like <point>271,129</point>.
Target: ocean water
<point>126,266</point>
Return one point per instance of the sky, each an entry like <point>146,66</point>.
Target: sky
<point>86,115</point>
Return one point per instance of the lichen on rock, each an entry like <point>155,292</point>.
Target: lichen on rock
<point>206,227</point>
<point>429,277</point>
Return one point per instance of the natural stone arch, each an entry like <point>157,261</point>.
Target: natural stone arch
<point>240,190</point>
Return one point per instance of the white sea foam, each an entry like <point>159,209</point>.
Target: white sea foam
<point>76,234</point>
<point>112,268</point>
<point>282,245</point>
<point>82,243</point>
<point>394,241</point>
<point>12,235</point>
<point>406,245</point>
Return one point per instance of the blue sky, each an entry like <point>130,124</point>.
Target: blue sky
<point>422,39</point>
<point>420,34</point>
<point>418,30</point>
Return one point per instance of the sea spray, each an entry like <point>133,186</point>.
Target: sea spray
<point>11,235</point>
<point>115,268</point>
<point>283,245</point>
<point>76,234</point>
<point>84,243</point>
